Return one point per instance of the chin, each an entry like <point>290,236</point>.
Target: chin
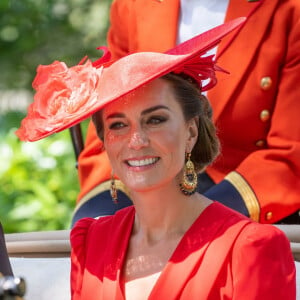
<point>140,187</point>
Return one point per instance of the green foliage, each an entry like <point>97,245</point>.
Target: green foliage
<point>34,32</point>
<point>39,182</point>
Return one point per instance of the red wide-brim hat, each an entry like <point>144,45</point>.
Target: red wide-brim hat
<point>66,96</point>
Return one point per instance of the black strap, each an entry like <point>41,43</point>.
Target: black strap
<point>77,140</point>
<point>5,267</point>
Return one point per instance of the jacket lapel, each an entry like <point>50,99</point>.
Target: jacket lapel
<point>243,42</point>
<point>196,254</point>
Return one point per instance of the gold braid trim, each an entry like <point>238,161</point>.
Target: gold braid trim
<point>247,194</point>
<point>102,187</point>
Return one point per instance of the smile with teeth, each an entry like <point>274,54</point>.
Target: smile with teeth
<point>142,162</point>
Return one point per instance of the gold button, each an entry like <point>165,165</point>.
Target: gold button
<point>266,83</point>
<point>269,215</point>
<point>260,143</point>
<point>264,115</point>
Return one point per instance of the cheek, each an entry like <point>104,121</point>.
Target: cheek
<point>112,150</point>
<point>176,134</point>
<point>112,144</point>
<point>172,140</point>
<point>109,138</point>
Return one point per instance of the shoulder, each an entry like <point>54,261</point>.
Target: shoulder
<point>248,232</point>
<point>83,226</point>
<point>252,241</point>
<point>83,233</point>
<point>263,243</point>
<point>88,230</point>
<point>262,233</point>
<point>263,251</point>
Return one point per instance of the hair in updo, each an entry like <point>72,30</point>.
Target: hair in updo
<point>194,104</point>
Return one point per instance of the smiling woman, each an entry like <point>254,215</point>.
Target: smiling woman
<point>142,130</point>
<point>143,143</point>
<point>157,138</point>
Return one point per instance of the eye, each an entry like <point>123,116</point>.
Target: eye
<point>116,125</point>
<point>155,120</point>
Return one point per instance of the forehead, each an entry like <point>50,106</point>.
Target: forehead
<point>156,92</point>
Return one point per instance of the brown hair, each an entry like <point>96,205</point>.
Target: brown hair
<point>193,104</point>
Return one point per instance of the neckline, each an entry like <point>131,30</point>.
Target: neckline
<point>182,249</point>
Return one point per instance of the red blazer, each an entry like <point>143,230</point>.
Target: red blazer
<point>256,107</point>
<point>223,255</point>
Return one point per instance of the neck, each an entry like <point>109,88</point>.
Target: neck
<point>165,213</point>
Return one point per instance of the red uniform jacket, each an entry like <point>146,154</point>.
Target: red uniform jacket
<point>223,255</point>
<point>256,107</point>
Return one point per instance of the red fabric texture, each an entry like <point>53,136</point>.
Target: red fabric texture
<point>222,256</point>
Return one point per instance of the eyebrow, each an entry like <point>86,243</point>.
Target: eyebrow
<point>144,112</point>
<point>151,109</point>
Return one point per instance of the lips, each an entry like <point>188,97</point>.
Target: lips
<point>142,162</point>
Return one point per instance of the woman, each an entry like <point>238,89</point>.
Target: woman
<point>173,243</point>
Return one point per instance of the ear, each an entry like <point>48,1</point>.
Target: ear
<point>192,127</point>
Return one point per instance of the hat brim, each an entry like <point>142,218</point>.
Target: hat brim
<point>101,86</point>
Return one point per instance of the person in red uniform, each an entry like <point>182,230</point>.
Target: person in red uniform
<point>255,107</point>
<point>158,132</point>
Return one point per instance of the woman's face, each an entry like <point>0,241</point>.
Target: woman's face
<point>146,136</point>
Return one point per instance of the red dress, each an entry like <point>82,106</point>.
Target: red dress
<point>223,255</point>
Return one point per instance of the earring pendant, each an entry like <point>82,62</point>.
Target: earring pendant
<point>188,185</point>
<point>113,190</point>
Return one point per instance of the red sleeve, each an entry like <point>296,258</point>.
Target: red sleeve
<point>264,265</point>
<point>78,242</point>
<point>118,33</point>
<point>280,163</point>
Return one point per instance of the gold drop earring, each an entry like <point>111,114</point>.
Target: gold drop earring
<point>113,189</point>
<point>188,184</point>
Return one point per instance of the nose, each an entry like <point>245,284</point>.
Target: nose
<point>138,139</point>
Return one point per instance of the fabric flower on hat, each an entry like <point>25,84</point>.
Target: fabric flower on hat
<point>62,94</point>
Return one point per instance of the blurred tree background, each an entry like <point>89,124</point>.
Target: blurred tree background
<point>38,181</point>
